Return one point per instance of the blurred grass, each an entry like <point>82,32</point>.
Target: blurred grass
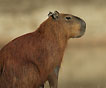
<point>84,63</point>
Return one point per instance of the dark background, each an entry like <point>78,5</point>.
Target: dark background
<point>84,63</point>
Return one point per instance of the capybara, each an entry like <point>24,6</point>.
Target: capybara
<point>30,60</point>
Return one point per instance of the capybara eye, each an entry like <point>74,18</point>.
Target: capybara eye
<point>68,18</point>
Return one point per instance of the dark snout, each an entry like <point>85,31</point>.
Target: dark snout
<point>83,26</point>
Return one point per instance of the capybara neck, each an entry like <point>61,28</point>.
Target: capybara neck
<point>53,30</point>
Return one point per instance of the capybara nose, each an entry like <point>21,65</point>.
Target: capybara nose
<point>83,26</point>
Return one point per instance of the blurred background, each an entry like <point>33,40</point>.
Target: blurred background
<point>84,63</point>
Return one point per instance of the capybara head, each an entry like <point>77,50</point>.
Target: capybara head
<point>73,26</point>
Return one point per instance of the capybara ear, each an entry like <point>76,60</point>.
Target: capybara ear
<point>50,14</point>
<point>54,15</point>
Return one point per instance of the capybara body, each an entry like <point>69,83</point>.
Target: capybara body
<point>27,61</point>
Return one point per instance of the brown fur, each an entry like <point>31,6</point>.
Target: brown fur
<point>27,61</point>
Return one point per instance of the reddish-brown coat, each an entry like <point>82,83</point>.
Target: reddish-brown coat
<point>41,50</point>
<point>27,61</point>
